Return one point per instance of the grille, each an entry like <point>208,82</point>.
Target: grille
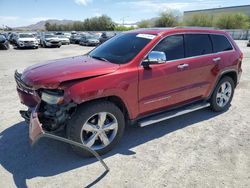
<point>21,85</point>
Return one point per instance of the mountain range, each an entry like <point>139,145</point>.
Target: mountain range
<point>41,24</point>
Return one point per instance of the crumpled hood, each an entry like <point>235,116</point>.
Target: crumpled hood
<point>52,73</point>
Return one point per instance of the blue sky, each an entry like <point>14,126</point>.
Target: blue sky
<point>25,12</point>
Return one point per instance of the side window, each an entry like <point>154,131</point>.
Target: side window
<point>173,47</point>
<point>197,44</point>
<point>220,43</point>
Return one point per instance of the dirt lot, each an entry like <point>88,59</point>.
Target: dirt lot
<point>202,149</point>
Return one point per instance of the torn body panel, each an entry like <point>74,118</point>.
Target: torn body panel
<point>36,132</point>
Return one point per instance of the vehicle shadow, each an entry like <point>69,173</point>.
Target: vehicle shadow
<point>48,158</point>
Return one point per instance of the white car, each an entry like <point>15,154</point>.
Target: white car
<point>50,40</point>
<point>63,39</point>
<point>26,40</point>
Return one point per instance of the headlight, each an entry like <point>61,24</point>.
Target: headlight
<point>47,40</point>
<point>20,42</point>
<point>52,97</point>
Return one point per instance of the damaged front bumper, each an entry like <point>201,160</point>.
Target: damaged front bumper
<point>36,132</point>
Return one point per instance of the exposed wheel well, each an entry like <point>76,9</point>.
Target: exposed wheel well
<point>231,74</point>
<point>117,101</point>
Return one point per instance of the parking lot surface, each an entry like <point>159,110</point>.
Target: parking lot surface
<point>201,149</point>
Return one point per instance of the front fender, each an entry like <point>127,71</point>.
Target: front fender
<point>123,86</point>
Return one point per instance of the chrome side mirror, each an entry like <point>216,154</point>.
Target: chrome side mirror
<point>154,57</point>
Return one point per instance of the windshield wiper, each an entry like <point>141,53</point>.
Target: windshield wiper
<point>99,58</point>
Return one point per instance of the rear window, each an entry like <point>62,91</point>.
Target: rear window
<point>220,43</point>
<point>197,44</point>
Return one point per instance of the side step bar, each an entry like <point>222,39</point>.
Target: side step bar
<point>173,113</point>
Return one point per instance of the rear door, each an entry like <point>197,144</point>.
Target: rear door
<point>202,64</point>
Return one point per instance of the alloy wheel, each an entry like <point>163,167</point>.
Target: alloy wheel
<point>224,94</point>
<point>99,130</point>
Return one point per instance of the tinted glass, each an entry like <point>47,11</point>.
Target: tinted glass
<point>220,43</point>
<point>121,48</point>
<point>197,44</point>
<point>173,47</point>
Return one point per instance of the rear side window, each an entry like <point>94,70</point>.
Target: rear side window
<point>197,44</point>
<point>173,47</point>
<point>220,43</point>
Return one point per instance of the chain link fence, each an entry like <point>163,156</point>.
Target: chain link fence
<point>239,34</point>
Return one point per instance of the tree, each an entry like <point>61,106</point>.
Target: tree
<point>145,24</point>
<point>47,26</point>
<point>123,28</point>
<point>232,21</point>
<point>166,19</point>
<point>202,20</point>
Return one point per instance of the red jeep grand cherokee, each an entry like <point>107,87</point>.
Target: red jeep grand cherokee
<point>143,76</point>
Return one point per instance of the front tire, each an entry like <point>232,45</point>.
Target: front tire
<point>98,125</point>
<point>223,94</point>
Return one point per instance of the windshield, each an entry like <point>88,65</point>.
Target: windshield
<point>26,35</point>
<point>121,48</point>
<point>61,36</point>
<point>50,36</point>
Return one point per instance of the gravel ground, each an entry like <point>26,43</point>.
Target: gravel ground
<point>201,149</point>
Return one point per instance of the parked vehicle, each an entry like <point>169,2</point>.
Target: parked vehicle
<point>89,40</point>
<point>105,36</point>
<point>248,44</point>
<point>75,38</point>
<point>4,43</point>
<point>12,38</point>
<point>64,40</point>
<point>26,40</point>
<point>50,40</point>
<point>141,76</point>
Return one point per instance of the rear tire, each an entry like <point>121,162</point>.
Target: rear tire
<point>222,94</point>
<point>106,122</point>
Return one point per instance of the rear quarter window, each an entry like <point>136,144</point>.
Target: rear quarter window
<point>197,44</point>
<point>220,43</point>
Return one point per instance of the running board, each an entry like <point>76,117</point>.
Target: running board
<point>173,113</point>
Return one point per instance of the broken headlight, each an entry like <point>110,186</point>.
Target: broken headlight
<point>52,96</point>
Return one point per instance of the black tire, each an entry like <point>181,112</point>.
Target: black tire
<point>83,114</point>
<point>44,45</point>
<point>213,100</point>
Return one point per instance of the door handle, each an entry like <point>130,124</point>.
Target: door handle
<point>182,66</point>
<point>216,59</point>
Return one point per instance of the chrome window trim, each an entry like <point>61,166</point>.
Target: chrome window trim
<point>183,33</point>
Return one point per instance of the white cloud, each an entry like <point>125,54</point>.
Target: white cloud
<point>9,18</point>
<point>83,2</point>
<point>148,6</point>
<point>37,19</point>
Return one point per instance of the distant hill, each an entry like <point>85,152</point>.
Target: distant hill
<point>41,25</point>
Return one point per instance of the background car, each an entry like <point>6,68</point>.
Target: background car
<point>50,40</point>
<point>4,43</point>
<point>63,39</point>
<point>89,40</point>
<point>248,44</point>
<point>75,38</point>
<point>11,38</point>
<point>106,36</point>
<point>26,40</point>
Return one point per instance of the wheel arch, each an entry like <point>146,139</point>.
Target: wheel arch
<point>232,73</point>
<point>115,100</point>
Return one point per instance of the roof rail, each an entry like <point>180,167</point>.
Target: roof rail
<point>196,27</point>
